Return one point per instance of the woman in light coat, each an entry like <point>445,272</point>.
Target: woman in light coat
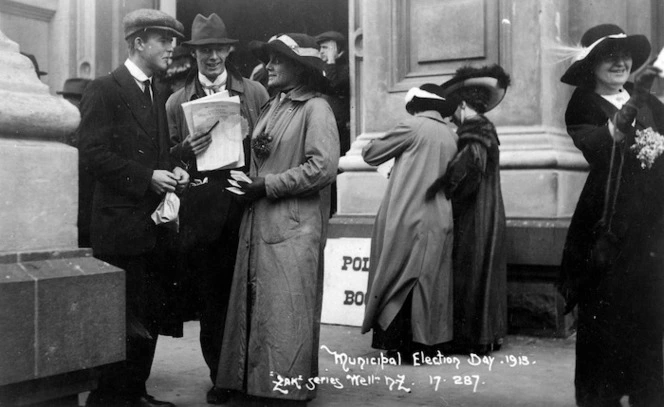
<point>409,298</point>
<point>272,327</point>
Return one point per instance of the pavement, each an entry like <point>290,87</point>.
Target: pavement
<point>527,371</point>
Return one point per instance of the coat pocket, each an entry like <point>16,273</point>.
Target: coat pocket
<point>280,221</point>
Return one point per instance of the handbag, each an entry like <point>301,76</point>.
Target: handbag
<point>606,246</point>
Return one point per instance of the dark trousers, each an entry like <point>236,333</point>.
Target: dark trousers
<point>124,381</point>
<point>209,267</point>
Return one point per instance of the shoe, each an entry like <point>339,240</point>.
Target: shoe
<point>149,401</point>
<point>217,396</point>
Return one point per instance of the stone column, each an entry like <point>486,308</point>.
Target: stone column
<point>61,311</point>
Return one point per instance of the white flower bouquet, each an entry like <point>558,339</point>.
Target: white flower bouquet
<point>648,145</point>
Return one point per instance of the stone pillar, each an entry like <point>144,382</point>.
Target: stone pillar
<point>61,311</point>
<point>542,172</point>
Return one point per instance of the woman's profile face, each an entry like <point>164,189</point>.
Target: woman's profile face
<point>282,72</point>
<point>612,71</point>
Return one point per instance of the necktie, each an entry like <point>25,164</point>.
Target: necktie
<point>213,88</point>
<point>146,90</point>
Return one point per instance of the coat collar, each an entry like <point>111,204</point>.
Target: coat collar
<point>432,114</point>
<point>301,94</point>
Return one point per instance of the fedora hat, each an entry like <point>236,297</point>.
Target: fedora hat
<point>150,19</point>
<point>74,87</point>
<point>209,30</point>
<point>301,48</point>
<point>492,78</point>
<point>602,40</point>
<point>430,96</point>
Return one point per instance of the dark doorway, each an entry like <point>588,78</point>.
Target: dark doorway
<point>248,20</point>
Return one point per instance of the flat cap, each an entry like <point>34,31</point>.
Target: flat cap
<point>145,18</point>
<point>331,36</point>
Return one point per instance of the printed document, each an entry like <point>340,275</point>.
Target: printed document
<point>219,114</point>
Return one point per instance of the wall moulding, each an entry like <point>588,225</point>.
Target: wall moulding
<point>42,10</point>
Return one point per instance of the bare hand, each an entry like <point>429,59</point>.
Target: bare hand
<point>163,181</point>
<point>183,179</point>
<point>329,52</point>
<point>197,143</point>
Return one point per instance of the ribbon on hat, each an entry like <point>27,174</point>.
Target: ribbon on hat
<point>422,94</point>
<point>290,43</point>
<point>585,51</point>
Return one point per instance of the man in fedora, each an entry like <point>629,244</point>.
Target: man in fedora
<point>124,142</point>
<point>209,214</point>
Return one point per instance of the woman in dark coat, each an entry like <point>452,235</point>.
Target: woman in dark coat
<point>473,184</point>
<point>619,338</point>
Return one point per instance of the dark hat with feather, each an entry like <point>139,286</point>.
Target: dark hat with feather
<point>493,79</point>
<point>601,40</point>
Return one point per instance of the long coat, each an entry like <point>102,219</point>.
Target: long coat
<point>619,338</point>
<point>272,325</point>
<point>480,269</point>
<point>411,244</point>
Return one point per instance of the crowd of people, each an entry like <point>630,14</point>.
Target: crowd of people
<point>249,266</point>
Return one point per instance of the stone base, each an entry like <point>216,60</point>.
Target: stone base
<point>53,391</point>
<point>62,311</point>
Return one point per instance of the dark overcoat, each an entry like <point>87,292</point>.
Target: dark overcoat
<point>480,269</point>
<point>619,338</point>
<point>122,144</point>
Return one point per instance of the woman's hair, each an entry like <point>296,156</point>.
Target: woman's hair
<point>476,97</point>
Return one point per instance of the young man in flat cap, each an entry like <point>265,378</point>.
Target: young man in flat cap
<point>124,142</point>
<point>210,215</point>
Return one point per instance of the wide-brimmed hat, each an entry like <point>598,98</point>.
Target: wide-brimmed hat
<point>150,19</point>
<point>209,30</point>
<point>299,47</point>
<point>74,87</point>
<point>602,40</point>
<point>492,78</point>
<point>431,96</point>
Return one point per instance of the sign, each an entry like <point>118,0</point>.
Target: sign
<point>346,276</point>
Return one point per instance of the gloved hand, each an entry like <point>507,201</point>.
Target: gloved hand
<point>642,84</point>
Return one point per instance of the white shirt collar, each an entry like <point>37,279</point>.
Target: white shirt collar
<point>135,71</point>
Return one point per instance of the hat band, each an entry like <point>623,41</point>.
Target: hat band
<point>290,43</point>
<point>585,51</point>
<point>422,94</point>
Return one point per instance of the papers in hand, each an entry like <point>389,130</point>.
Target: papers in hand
<point>236,176</point>
<point>659,63</point>
<point>225,150</point>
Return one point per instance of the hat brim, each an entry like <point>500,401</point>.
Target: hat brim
<point>171,30</point>
<point>210,41</point>
<point>638,46</point>
<point>261,50</point>
<point>496,93</point>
